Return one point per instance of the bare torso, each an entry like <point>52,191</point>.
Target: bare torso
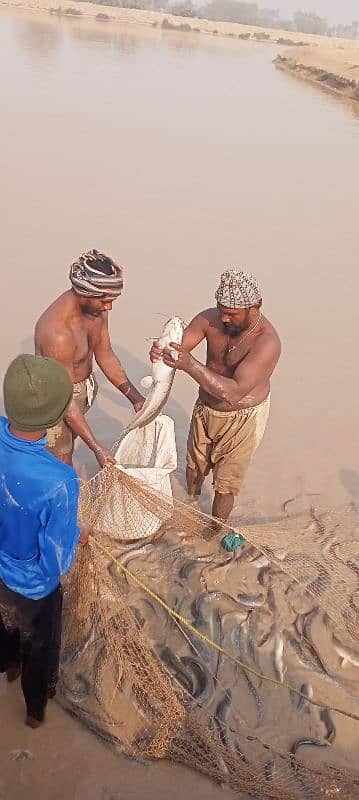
<point>62,320</point>
<point>225,362</point>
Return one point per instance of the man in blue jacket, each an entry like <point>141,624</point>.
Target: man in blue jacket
<point>38,527</point>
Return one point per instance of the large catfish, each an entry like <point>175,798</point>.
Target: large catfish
<point>161,380</point>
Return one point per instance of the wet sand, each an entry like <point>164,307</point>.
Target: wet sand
<point>64,760</point>
<point>334,69</point>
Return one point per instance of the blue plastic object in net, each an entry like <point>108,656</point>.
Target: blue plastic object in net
<point>231,541</point>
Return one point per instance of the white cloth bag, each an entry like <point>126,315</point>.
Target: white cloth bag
<point>149,455</point>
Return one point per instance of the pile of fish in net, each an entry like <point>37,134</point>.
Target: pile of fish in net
<point>243,666</point>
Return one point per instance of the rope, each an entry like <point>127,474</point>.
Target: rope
<point>213,644</point>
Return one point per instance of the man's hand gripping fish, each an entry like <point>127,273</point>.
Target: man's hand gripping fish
<point>161,380</point>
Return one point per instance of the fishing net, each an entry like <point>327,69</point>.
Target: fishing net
<point>243,666</point>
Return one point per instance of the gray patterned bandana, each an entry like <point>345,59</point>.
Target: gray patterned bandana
<point>238,289</point>
<point>95,274</point>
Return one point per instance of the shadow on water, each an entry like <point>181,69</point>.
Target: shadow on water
<point>349,478</point>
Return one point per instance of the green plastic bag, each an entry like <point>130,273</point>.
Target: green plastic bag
<point>231,541</point>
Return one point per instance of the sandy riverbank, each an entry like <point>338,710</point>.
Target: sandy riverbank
<point>104,14</point>
<point>335,69</point>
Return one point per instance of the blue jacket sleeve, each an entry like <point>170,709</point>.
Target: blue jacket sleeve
<point>59,533</point>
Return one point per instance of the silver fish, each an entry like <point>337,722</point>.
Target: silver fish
<point>240,644</point>
<point>278,657</point>
<point>204,689</point>
<point>304,705</point>
<point>306,742</point>
<point>251,600</point>
<point>306,658</point>
<point>161,380</point>
<point>76,694</point>
<point>347,654</point>
<point>308,661</point>
<point>216,729</point>
<point>180,673</point>
<point>190,565</point>
<point>221,717</point>
<point>307,622</point>
<point>329,724</point>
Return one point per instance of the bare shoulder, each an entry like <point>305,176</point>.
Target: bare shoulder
<point>202,319</point>
<point>267,343</point>
<point>205,319</point>
<point>53,325</point>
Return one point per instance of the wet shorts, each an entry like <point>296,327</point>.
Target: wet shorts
<point>61,439</point>
<point>225,441</point>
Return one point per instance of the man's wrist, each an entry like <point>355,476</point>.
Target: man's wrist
<point>125,388</point>
<point>129,391</point>
<point>96,447</point>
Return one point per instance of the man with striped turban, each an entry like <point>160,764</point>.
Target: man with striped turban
<point>231,412</point>
<point>74,330</point>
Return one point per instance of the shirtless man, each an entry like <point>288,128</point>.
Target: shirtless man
<point>231,412</point>
<point>73,330</point>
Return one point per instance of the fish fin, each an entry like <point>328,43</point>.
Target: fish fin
<point>147,382</point>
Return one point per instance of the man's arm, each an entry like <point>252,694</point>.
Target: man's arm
<point>255,369</point>
<point>60,532</point>
<point>111,367</point>
<point>60,347</point>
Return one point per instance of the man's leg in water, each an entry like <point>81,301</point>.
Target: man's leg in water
<point>10,660</point>
<point>41,652</point>
<point>194,483</point>
<point>199,448</point>
<point>236,438</point>
<point>222,505</point>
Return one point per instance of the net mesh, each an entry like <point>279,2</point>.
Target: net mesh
<point>243,666</point>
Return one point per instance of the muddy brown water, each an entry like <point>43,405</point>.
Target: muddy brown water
<point>180,155</point>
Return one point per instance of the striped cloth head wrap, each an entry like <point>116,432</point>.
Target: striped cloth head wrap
<point>238,289</point>
<point>95,274</point>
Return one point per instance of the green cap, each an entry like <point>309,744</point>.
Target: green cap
<point>37,392</point>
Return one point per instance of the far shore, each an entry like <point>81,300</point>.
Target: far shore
<point>329,63</point>
<point>156,19</point>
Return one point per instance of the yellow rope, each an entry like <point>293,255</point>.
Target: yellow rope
<point>213,644</point>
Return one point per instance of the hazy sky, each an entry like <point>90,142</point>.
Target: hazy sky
<point>332,10</point>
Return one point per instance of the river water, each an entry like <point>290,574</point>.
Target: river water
<point>181,155</point>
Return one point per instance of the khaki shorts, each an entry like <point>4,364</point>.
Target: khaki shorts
<point>225,441</point>
<point>61,439</point>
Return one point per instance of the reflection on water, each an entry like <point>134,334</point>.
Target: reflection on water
<point>181,155</point>
<point>124,41</point>
<point>39,37</point>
